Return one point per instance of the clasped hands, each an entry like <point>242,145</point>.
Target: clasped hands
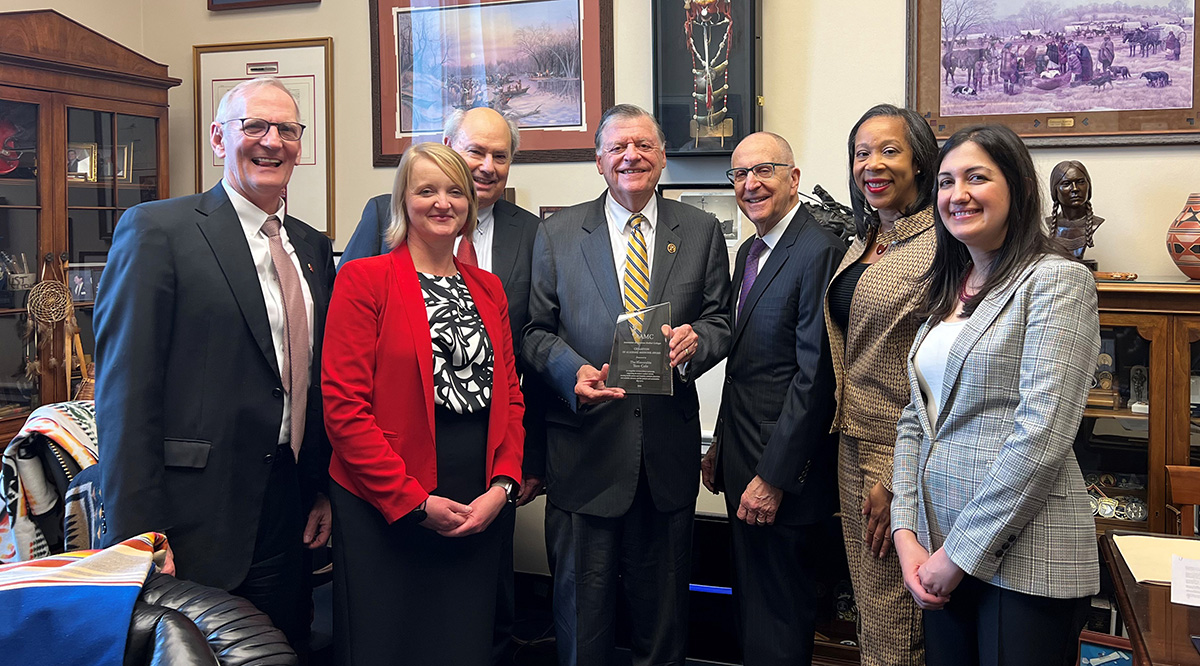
<point>590,385</point>
<point>454,519</point>
<point>929,578</point>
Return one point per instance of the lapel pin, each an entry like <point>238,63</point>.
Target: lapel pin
<point>671,248</point>
<point>310,269</point>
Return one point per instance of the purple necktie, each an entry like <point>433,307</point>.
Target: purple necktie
<point>294,372</point>
<point>751,272</point>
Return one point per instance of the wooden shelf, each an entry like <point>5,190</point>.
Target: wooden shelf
<point>1102,413</point>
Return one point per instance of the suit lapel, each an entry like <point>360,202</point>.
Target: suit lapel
<point>223,231</point>
<point>976,326</point>
<point>413,302</point>
<point>506,235</point>
<point>598,254</point>
<point>666,238</point>
<point>775,261</point>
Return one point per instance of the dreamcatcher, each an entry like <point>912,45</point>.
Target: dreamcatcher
<point>49,305</point>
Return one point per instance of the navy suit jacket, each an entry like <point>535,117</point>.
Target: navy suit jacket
<point>778,400</point>
<point>595,453</point>
<point>189,400</point>
<point>512,254</point>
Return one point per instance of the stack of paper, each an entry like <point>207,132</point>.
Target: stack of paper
<point>1149,557</point>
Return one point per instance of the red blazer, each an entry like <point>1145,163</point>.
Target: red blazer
<point>377,334</point>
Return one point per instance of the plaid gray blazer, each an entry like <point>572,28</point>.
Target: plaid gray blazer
<point>995,481</point>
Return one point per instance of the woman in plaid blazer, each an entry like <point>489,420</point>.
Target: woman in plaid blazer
<point>990,518</point>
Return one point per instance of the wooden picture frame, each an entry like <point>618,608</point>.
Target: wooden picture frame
<point>306,67</point>
<point>966,69</point>
<point>700,119</point>
<point>86,156</point>
<point>222,5</point>
<point>559,89</point>
<point>1097,645</point>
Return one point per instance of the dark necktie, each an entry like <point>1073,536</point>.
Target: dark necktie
<point>750,273</point>
<point>295,348</point>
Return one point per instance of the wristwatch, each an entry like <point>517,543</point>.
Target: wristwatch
<point>509,486</point>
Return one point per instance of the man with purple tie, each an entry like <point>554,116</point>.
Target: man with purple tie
<point>773,455</point>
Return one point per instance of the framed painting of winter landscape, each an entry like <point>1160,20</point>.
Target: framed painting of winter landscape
<point>1059,73</point>
<point>545,64</point>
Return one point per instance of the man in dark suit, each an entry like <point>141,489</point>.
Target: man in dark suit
<point>621,469</point>
<point>502,244</point>
<point>208,353</point>
<point>774,457</point>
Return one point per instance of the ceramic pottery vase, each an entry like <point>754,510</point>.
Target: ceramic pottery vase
<point>1183,238</point>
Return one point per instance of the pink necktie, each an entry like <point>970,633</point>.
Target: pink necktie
<point>466,252</point>
<point>295,350</point>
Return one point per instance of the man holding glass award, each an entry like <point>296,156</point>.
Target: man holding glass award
<point>629,304</point>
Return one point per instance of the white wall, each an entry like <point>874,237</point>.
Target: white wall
<point>818,78</point>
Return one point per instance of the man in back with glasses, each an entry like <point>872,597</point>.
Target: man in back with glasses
<point>208,348</point>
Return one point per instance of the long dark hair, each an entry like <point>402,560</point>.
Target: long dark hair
<point>924,152</point>
<point>1056,176</point>
<point>1024,242</point>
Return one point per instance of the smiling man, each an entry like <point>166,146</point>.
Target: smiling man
<point>773,455</point>
<point>208,343</point>
<point>621,469</point>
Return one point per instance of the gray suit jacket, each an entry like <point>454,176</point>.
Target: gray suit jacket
<point>594,454</point>
<point>995,481</point>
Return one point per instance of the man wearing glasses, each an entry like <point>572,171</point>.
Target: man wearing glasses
<point>621,468</point>
<point>773,456</point>
<point>208,348</point>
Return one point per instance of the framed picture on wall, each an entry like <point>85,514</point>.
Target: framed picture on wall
<point>305,66</point>
<point>220,5</point>
<point>707,74</point>
<point>721,202</point>
<point>1057,74</point>
<point>545,64</point>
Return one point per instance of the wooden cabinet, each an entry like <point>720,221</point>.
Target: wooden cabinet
<point>83,137</point>
<point>1141,416</point>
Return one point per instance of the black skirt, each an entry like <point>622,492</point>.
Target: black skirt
<point>404,594</point>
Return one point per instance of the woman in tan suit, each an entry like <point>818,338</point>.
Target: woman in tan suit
<point>870,312</point>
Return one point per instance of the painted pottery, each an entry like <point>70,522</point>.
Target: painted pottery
<point>1183,238</point>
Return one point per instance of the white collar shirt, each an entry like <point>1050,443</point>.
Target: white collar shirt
<point>252,219</point>
<point>776,233</point>
<point>485,231</point>
<point>620,231</point>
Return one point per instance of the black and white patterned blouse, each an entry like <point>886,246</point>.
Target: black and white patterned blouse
<point>462,351</point>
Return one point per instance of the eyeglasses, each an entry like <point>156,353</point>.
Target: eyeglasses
<point>257,127</point>
<point>761,171</point>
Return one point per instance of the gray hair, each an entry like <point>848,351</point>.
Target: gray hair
<point>627,112</point>
<point>454,125</point>
<point>243,89</point>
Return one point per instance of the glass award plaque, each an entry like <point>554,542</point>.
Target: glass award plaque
<point>641,355</point>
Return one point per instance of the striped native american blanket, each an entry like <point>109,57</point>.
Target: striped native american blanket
<point>56,442</point>
<point>74,608</point>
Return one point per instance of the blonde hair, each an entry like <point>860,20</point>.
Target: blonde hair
<point>451,164</point>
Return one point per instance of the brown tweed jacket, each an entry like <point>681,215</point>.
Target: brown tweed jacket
<point>869,361</point>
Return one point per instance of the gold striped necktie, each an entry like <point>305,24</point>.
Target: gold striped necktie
<point>637,274</point>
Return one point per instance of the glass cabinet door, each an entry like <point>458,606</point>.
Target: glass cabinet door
<point>1116,445</point>
<point>112,165</point>
<point>20,239</point>
<point>1187,401</point>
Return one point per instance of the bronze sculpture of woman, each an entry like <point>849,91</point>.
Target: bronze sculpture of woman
<point>1072,219</point>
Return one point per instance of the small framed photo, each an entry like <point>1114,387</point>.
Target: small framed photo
<point>124,172</point>
<point>81,162</point>
<point>545,212</point>
<point>722,203</point>
<point>79,283</point>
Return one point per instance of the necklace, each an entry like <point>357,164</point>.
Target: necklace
<point>963,296</point>
<point>880,248</point>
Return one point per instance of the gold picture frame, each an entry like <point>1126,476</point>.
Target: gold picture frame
<point>81,162</point>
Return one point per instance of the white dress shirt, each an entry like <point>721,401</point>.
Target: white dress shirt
<point>252,219</point>
<point>773,236</point>
<point>930,364</point>
<point>485,230</point>
<point>620,231</point>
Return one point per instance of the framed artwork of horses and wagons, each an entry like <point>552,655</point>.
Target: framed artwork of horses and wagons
<point>1058,72</point>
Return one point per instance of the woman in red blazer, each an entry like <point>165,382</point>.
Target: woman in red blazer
<point>423,410</point>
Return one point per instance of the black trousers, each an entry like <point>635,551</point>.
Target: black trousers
<point>278,580</point>
<point>648,553</point>
<point>560,553</point>
<point>776,568</point>
<point>984,625</point>
<point>506,601</point>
